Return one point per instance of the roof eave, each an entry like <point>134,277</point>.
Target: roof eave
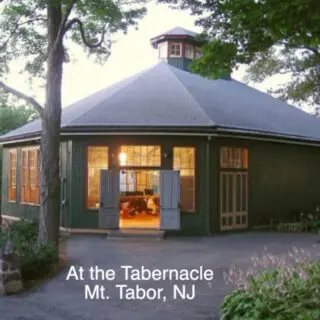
<point>265,135</point>
<point>20,138</point>
<point>154,41</point>
<point>170,130</point>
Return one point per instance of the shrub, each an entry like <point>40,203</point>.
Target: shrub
<point>3,236</point>
<point>36,260</point>
<point>283,293</point>
<point>24,231</point>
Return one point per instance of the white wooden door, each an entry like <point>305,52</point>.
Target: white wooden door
<point>169,200</point>
<point>109,199</point>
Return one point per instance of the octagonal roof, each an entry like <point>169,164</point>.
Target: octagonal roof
<point>164,98</point>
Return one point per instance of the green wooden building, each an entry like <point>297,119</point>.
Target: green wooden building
<point>170,150</point>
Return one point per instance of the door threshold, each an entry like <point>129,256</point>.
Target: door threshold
<point>139,229</point>
<point>135,233</point>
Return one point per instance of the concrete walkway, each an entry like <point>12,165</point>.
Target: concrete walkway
<point>59,299</point>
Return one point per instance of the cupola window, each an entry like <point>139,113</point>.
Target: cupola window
<point>197,53</point>
<point>163,50</point>
<point>175,50</point>
<point>189,51</point>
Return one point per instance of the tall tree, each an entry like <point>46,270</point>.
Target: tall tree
<point>272,36</point>
<point>40,33</point>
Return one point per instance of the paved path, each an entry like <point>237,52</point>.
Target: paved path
<point>59,299</point>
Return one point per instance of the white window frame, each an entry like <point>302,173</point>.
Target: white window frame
<point>163,46</point>
<point>197,53</point>
<point>10,183</point>
<point>27,183</point>
<point>191,56</point>
<point>175,44</point>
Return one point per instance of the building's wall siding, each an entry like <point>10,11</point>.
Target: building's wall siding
<point>16,209</point>
<point>283,179</point>
<point>181,63</point>
<point>192,223</point>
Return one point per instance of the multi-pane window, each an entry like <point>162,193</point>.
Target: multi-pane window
<point>30,181</point>
<point>197,53</point>
<point>144,181</point>
<point>97,160</point>
<point>189,51</point>
<point>140,156</point>
<point>12,175</point>
<point>175,50</point>
<point>184,161</point>
<point>234,158</point>
<point>163,50</point>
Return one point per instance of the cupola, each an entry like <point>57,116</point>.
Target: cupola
<point>178,47</point>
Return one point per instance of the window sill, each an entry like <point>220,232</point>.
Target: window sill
<point>30,204</point>
<point>92,209</point>
<point>188,213</point>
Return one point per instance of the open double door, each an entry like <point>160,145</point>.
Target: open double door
<point>169,186</point>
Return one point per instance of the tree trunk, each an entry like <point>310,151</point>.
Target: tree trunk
<point>49,219</point>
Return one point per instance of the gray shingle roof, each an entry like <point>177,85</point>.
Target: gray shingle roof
<point>166,97</point>
<point>177,31</point>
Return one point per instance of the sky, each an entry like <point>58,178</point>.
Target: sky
<point>130,54</point>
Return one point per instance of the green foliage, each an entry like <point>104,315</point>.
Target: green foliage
<point>37,260</point>
<point>271,36</point>
<point>277,295</point>
<point>14,117</point>
<point>23,29</point>
<point>40,33</point>
<point>25,231</point>
<point>314,225</point>
<point>215,68</point>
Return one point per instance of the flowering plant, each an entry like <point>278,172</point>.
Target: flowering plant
<point>287,287</point>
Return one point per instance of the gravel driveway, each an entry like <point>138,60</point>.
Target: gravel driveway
<point>59,299</point>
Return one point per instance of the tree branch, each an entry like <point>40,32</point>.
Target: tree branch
<point>288,45</point>
<point>83,36</point>
<point>22,96</point>
<point>63,23</point>
<point>16,27</point>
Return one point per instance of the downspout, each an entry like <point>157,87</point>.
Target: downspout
<point>69,174</point>
<point>209,191</point>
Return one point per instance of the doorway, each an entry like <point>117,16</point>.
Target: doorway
<point>139,199</point>
<point>138,193</point>
<point>234,200</point>
<point>233,188</point>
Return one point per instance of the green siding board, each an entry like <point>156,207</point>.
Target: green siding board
<point>283,179</point>
<point>181,63</point>
<point>214,188</point>
<point>80,217</point>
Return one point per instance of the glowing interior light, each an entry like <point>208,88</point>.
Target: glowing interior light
<point>123,158</point>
